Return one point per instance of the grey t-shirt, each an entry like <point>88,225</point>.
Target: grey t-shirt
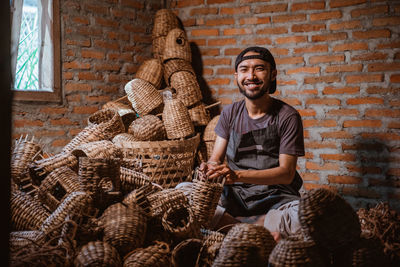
<point>290,127</point>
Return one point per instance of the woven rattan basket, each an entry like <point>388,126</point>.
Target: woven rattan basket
<point>368,252</point>
<point>158,45</point>
<point>209,135</point>
<point>245,245</point>
<point>296,251</point>
<point>97,149</point>
<point>140,197</point>
<point>123,137</point>
<point>148,128</point>
<point>131,180</point>
<point>166,163</point>
<point>211,244</point>
<point>57,186</point>
<point>174,65</point>
<point>124,110</point>
<point>21,239</point>
<point>164,21</point>
<point>186,252</point>
<point>98,253</point>
<point>326,217</point>
<point>156,255</point>
<point>177,46</point>
<point>161,201</point>
<point>151,70</point>
<point>187,88</point>
<point>176,119</point>
<point>199,114</point>
<point>124,227</point>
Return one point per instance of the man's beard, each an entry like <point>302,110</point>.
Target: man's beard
<point>259,94</point>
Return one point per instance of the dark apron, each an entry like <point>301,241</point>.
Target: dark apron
<point>256,150</point>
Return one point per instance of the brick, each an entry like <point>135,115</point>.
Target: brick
<point>225,101</point>
<point>308,27</point>
<point>302,92</point>
<point>106,22</point>
<point>232,51</point>
<point>85,110</point>
<point>322,167</point>
<point>380,182</point>
<point>339,157</point>
<point>223,21</point>
<point>369,147</point>
<point>127,57</point>
<point>219,81</point>
<point>383,67</point>
<point>210,2</point>
<point>225,71</point>
<point>325,15</point>
<point>364,78</point>
<point>361,192</point>
<point>80,20</point>
<point>311,49</point>
<point>344,68</point>
<point>291,39</point>
<point>310,176</point>
<point>323,101</point>
<point>50,133</point>
<point>304,70</point>
<point>191,22</point>
<point>98,98</point>
<point>387,21</point>
<point>255,20</point>
<point>216,61</point>
<point>76,65</point>
<point>290,82</point>
<point>210,52</point>
<point>145,39</point>
<point>62,121</point>
<point>80,42</point>
<point>329,37</point>
<point>362,123</point>
<point>92,54</point>
<point>253,1</point>
<point>234,10</point>
<point>203,11</point>
<point>394,125</point>
<point>364,101</point>
<point>257,41</point>
<point>123,13</point>
<point>394,103</point>
<point>345,25</point>
<point>371,34</point>
<point>289,60</point>
<point>337,135</point>
<point>373,10</point>
<point>68,75</point>
<point>89,76</point>
<point>20,123</point>
<point>222,42</point>
<point>292,101</point>
<point>54,110</point>
<point>107,67</point>
<point>316,5</point>
<point>96,8</point>
<point>381,136</point>
<point>307,112</point>
<point>273,30</point>
<point>310,186</point>
<point>205,32</point>
<point>392,44</point>
<point>187,3</point>
<point>106,45</point>
<point>279,51</point>
<point>326,59</point>
<point>118,36</point>
<point>395,113</point>
<point>237,31</point>
<point>319,123</point>
<point>340,91</point>
<point>271,8</point>
<point>369,56</point>
<point>288,18</point>
<point>320,145</point>
<point>382,90</point>
<point>321,79</point>
<point>343,3</point>
<point>395,78</point>
<point>132,3</point>
<point>75,87</point>
<point>344,179</point>
<point>364,169</point>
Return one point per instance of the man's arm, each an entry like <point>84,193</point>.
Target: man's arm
<point>219,150</point>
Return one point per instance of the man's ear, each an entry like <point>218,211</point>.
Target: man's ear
<point>273,75</point>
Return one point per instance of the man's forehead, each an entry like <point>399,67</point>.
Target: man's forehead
<point>253,61</point>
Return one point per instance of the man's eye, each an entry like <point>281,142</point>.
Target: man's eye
<point>260,69</point>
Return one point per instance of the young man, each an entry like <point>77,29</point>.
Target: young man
<point>258,141</point>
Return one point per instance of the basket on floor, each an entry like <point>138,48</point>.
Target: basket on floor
<point>167,162</point>
<point>177,46</point>
<point>151,70</point>
<point>187,88</point>
<point>161,201</point>
<point>97,253</point>
<point>199,114</point>
<point>211,243</point>
<point>204,197</point>
<point>140,197</point>
<point>174,65</point>
<point>154,255</point>
<point>131,180</point>
<point>21,239</point>
<point>124,227</point>
<point>97,149</point>
<point>109,121</point>
<point>126,112</point>
<point>176,119</point>
<point>148,128</point>
<point>328,219</point>
<point>186,252</point>
<point>245,245</point>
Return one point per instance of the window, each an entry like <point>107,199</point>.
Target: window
<point>35,50</point>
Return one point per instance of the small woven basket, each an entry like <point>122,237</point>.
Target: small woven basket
<point>186,252</point>
<point>328,219</point>
<point>123,137</point>
<point>161,201</point>
<point>296,252</point>
<point>148,128</point>
<point>140,197</point>
<point>97,149</point>
<point>209,135</point>
<point>245,245</point>
<point>177,46</point>
<point>57,186</point>
<point>175,65</point>
<point>164,21</point>
<point>21,239</point>
<point>124,227</point>
<point>176,119</point>
<point>88,134</point>
<point>211,244</point>
<point>156,255</point>
<point>199,114</point>
<point>26,212</point>
<point>131,180</point>
<point>187,88</point>
<point>109,121</point>
<point>368,252</point>
<point>166,163</point>
<point>126,112</point>
<point>151,70</point>
<point>98,253</point>
<point>143,96</point>
<point>204,197</point>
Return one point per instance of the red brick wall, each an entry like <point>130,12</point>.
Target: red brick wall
<point>338,65</point>
<point>103,43</point>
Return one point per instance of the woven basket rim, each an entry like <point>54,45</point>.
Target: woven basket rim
<point>161,144</point>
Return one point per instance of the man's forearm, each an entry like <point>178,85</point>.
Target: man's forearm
<point>277,175</point>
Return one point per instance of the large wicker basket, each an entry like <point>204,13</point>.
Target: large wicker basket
<point>151,70</point>
<point>177,46</point>
<point>167,162</point>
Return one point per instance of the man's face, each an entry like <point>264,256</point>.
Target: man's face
<point>254,77</point>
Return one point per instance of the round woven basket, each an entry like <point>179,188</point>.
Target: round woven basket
<point>161,201</point>
<point>176,119</point>
<point>131,180</point>
<point>123,137</point>
<point>209,135</point>
<point>158,45</point>
<point>157,255</point>
<point>126,113</point>
<point>167,162</point>
<point>143,96</point>
<point>151,70</point>
<point>199,114</point>
<point>328,219</point>
<point>57,186</point>
<point>109,121</point>
<point>140,197</point>
<point>148,128</point>
<point>174,65</point>
<point>296,252</point>
<point>245,245</point>
<point>164,21</point>
<point>368,252</point>
<point>21,239</point>
<point>88,134</point>
<point>97,149</point>
<point>186,252</point>
<point>187,88</point>
<point>98,253</point>
<point>26,212</point>
<point>211,243</point>
<point>177,46</point>
<point>124,227</point>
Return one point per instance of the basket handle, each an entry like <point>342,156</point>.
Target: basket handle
<point>213,105</point>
